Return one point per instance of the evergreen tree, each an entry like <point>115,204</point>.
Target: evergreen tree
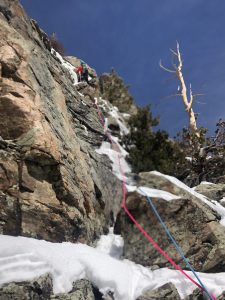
<point>205,158</point>
<point>56,44</point>
<point>149,150</point>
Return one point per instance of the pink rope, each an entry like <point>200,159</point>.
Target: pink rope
<point>155,245</point>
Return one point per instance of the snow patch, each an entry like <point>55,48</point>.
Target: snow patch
<point>66,65</point>
<point>213,204</point>
<point>113,153</point>
<point>188,158</point>
<point>206,182</point>
<point>222,200</point>
<point>126,116</point>
<point>154,193</point>
<point>123,128</point>
<point>26,258</point>
<point>111,244</point>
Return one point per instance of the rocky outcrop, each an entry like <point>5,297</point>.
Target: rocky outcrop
<point>197,295</point>
<point>42,289</point>
<point>193,224</point>
<point>212,191</point>
<point>221,297</point>
<point>115,91</point>
<point>39,289</point>
<point>53,185</point>
<point>167,291</point>
<point>82,290</point>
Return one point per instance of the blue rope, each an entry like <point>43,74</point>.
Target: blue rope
<point>175,244</point>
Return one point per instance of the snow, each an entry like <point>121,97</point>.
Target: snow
<point>126,116</point>
<point>26,258</point>
<point>203,183</point>
<point>222,200</point>
<point>111,244</point>
<point>206,182</point>
<point>154,193</point>
<point>216,206</point>
<point>66,65</point>
<point>114,150</point>
<point>103,104</point>
<point>113,156</point>
<point>114,113</point>
<point>188,158</point>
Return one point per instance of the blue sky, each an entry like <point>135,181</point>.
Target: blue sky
<point>133,35</point>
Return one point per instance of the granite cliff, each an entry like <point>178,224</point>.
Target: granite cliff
<point>53,184</point>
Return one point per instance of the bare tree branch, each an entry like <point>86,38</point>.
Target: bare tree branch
<point>165,69</point>
<point>196,95</point>
<point>191,98</point>
<point>174,52</point>
<point>188,102</point>
<point>199,102</point>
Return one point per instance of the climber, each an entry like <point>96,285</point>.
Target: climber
<point>82,72</point>
<point>85,73</point>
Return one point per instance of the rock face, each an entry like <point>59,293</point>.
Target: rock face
<point>41,289</point>
<point>212,191</point>
<point>221,297</point>
<point>167,291</point>
<point>82,290</point>
<point>53,185</point>
<point>193,224</point>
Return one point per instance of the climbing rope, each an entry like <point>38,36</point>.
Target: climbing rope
<point>124,190</point>
<point>175,243</point>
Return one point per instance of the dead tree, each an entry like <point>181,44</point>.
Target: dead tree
<point>183,92</point>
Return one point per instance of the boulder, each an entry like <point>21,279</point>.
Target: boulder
<point>38,289</point>
<point>113,125</point>
<point>197,295</point>
<point>167,291</point>
<point>42,289</point>
<point>192,223</point>
<point>212,191</point>
<point>82,290</point>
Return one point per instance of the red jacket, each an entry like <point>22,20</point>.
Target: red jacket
<point>79,70</point>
